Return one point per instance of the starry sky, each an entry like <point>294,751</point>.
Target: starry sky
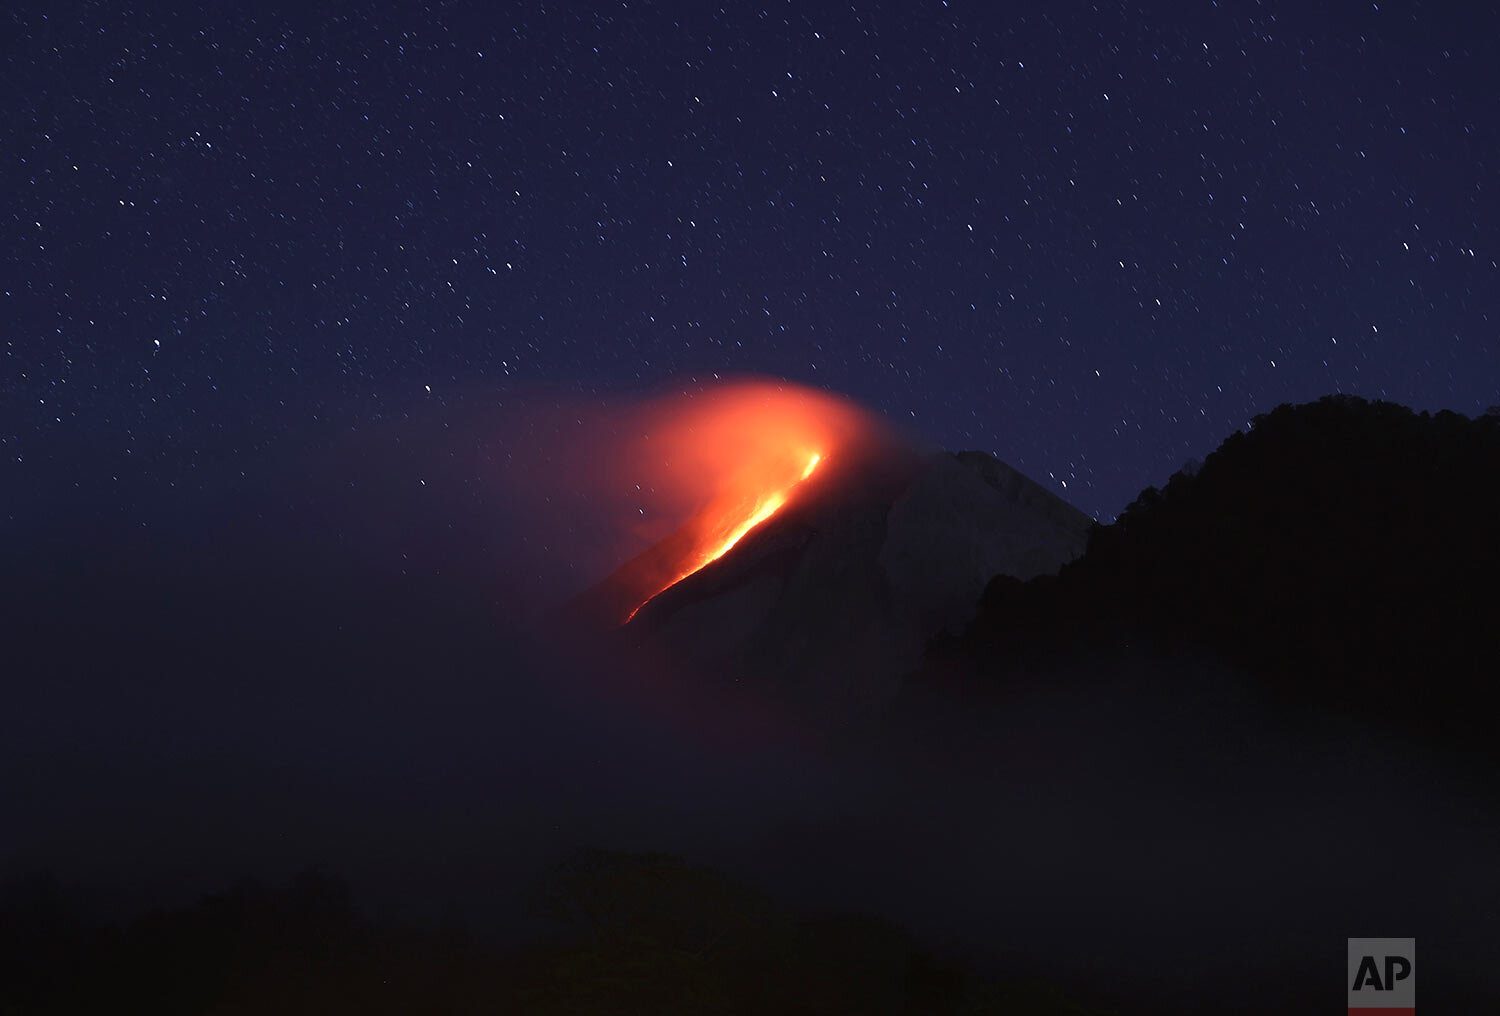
<point>278,281</point>
<point>1091,238</point>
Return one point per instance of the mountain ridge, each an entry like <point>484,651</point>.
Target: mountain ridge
<point>833,598</point>
<point>1342,552</point>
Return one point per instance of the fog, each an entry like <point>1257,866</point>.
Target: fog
<point>350,662</point>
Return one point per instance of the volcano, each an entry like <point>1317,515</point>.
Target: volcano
<point>827,585</point>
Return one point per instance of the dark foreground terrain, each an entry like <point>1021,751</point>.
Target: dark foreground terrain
<point>1252,720</point>
<point>630,933</point>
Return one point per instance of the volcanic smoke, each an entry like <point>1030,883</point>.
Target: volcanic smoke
<point>717,464</point>
<point>734,520</point>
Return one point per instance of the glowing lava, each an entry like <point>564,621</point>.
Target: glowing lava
<point>767,507</point>
<point>764,508</point>
<point>733,525</point>
<point>701,469</point>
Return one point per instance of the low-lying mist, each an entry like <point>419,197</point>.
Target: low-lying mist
<point>352,667</point>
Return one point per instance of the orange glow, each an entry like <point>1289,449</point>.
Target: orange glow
<point>704,468</point>
<point>766,506</point>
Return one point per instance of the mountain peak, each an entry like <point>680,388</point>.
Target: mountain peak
<point>833,598</point>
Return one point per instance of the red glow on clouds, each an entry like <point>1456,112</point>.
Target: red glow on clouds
<point>702,469</point>
<point>729,458</point>
<point>727,520</point>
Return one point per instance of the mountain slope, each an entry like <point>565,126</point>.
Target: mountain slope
<point>1343,551</point>
<point>834,597</point>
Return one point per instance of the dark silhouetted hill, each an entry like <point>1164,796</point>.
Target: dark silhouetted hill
<point>1343,552</point>
<point>629,933</point>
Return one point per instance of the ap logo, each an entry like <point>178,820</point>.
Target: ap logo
<point>1382,976</point>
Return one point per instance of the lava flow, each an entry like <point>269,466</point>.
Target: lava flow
<point>728,525</point>
<point>704,469</point>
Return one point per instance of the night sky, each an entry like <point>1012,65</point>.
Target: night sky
<point>1093,239</point>
<point>313,318</point>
